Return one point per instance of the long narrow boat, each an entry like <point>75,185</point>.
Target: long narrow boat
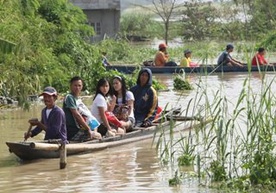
<point>128,69</point>
<point>49,149</point>
<point>30,150</point>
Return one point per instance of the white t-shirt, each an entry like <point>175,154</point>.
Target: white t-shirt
<point>129,97</point>
<point>99,101</point>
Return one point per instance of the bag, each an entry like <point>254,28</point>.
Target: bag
<point>112,119</point>
<point>91,121</point>
<point>121,112</point>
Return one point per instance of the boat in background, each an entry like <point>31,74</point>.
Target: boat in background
<point>129,69</point>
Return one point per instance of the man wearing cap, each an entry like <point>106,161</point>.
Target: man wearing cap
<point>225,58</point>
<point>52,118</point>
<point>161,56</point>
<point>185,62</point>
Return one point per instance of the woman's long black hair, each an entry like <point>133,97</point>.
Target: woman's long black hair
<point>124,89</point>
<point>100,83</point>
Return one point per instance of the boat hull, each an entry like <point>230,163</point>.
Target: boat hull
<point>201,69</point>
<point>43,150</point>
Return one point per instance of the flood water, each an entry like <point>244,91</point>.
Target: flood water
<point>130,168</point>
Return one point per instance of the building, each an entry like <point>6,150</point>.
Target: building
<point>103,15</point>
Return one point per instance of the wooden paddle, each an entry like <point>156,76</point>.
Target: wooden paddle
<point>28,131</point>
<point>184,118</point>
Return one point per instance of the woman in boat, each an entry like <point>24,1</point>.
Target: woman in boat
<point>52,118</point>
<point>258,58</point>
<point>226,59</point>
<point>123,109</point>
<point>146,101</point>
<point>102,104</point>
<point>162,57</point>
<point>77,128</point>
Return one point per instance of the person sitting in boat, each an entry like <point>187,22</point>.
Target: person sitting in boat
<point>146,100</point>
<point>101,105</point>
<point>162,57</point>
<point>77,128</point>
<point>105,61</point>
<point>258,58</point>
<point>52,118</point>
<point>123,109</point>
<point>225,58</point>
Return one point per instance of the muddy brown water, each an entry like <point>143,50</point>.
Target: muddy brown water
<point>130,168</point>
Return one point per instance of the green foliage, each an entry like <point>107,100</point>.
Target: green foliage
<point>181,83</point>
<point>199,21</point>
<point>139,25</point>
<point>175,180</point>
<point>50,46</point>
<point>185,160</point>
<point>218,171</point>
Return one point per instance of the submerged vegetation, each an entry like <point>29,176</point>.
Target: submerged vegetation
<point>236,150</point>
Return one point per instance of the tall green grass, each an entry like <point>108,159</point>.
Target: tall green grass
<point>236,150</point>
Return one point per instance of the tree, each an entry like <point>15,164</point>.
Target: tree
<point>165,9</point>
<point>52,39</point>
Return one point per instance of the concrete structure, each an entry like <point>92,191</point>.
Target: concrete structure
<point>103,15</point>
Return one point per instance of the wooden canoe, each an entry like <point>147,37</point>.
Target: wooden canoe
<point>30,150</point>
<point>128,69</point>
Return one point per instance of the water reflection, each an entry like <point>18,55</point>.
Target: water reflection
<point>129,168</point>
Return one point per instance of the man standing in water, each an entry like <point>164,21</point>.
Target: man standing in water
<point>77,128</point>
<point>226,59</point>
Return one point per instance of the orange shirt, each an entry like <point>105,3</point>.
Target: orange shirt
<point>160,58</point>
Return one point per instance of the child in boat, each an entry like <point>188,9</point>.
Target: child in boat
<point>101,108</point>
<point>52,118</point>
<point>146,101</point>
<point>123,109</point>
<point>258,58</point>
<point>185,62</point>
<point>77,128</point>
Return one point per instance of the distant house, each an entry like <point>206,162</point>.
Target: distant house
<point>103,15</point>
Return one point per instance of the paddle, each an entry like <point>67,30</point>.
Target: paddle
<point>28,131</point>
<point>172,114</point>
<point>184,118</point>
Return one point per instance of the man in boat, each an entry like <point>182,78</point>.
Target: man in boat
<point>77,127</point>
<point>258,58</point>
<point>52,118</point>
<point>146,101</point>
<point>162,57</point>
<point>226,59</point>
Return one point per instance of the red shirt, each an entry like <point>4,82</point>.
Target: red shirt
<point>258,59</point>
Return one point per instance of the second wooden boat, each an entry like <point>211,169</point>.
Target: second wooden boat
<point>128,69</point>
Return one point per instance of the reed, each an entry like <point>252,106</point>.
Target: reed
<point>236,150</point>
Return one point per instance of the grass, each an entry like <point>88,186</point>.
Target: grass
<point>236,150</point>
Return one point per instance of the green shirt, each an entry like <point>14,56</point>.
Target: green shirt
<point>71,123</point>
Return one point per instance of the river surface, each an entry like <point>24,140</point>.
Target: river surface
<point>130,168</point>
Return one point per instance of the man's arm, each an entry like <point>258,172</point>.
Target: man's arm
<point>81,121</point>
